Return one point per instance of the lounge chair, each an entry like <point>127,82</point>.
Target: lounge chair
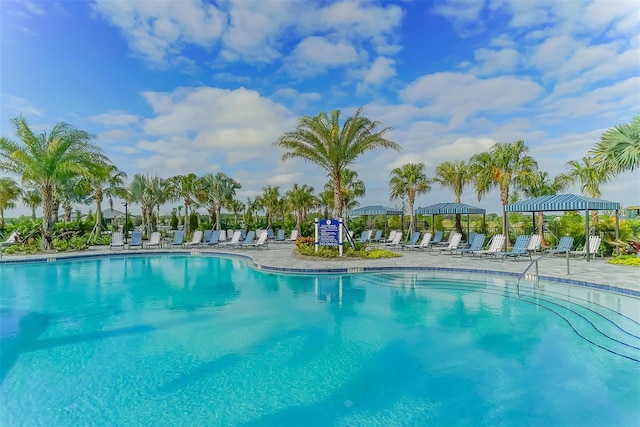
<point>497,241</point>
<point>222,236</point>
<point>364,237</point>
<point>117,240</point>
<point>279,236</point>
<point>270,235</point>
<point>294,236</point>
<point>392,235</point>
<point>230,233</point>
<point>214,240</point>
<point>594,246</point>
<point>235,239</point>
<point>424,243</point>
<point>178,239</point>
<point>13,239</point>
<point>437,238</point>
<point>413,240</point>
<point>154,240</point>
<point>396,240</point>
<point>248,239</point>
<point>454,242</point>
<point>207,236</point>
<point>262,242</point>
<point>136,239</point>
<point>196,240</point>
<point>534,243</point>
<point>564,245</point>
<point>377,236</point>
<point>441,243</point>
<point>476,245</point>
<point>519,249</point>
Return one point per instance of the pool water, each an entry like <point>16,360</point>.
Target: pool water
<point>200,341</point>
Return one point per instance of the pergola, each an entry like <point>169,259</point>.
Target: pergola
<point>567,202</point>
<point>376,210</point>
<point>453,208</point>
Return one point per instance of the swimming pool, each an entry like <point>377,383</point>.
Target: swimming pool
<point>199,340</point>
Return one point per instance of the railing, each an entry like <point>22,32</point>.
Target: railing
<point>537,275</point>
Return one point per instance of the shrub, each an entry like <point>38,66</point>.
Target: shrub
<point>632,260</point>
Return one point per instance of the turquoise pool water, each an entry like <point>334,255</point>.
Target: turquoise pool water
<point>200,341</point>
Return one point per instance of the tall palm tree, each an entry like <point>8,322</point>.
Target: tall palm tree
<point>235,206</point>
<point>47,158</point>
<point>301,199</point>
<point>540,184</point>
<point>409,180</point>
<point>325,199</point>
<point>106,180</point>
<point>215,191</point>
<point>70,192</point>
<point>590,175</point>
<point>32,198</point>
<point>454,175</point>
<point>270,200</point>
<point>10,192</point>
<point>323,141</point>
<point>619,147</point>
<point>148,191</point>
<point>506,166</point>
<point>185,187</point>
<point>352,188</point>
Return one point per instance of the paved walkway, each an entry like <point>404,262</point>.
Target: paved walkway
<point>282,257</point>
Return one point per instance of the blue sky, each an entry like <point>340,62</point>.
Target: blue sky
<point>192,86</point>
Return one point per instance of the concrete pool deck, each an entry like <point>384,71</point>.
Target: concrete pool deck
<point>281,257</point>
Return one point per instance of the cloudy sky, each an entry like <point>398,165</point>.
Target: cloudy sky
<point>172,87</point>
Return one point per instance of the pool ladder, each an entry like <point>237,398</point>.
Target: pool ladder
<point>537,275</point>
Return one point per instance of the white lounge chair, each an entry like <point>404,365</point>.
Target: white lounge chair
<point>594,246</point>
<point>293,237</point>
<point>454,242</point>
<point>535,243</point>
<point>235,239</point>
<point>497,241</point>
<point>12,239</point>
<point>424,243</point>
<point>155,240</point>
<point>117,240</point>
<point>196,240</point>
<point>262,241</point>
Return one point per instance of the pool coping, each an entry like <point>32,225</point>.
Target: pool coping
<point>252,263</point>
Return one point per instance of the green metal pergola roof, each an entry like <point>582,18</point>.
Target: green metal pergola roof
<point>449,208</point>
<point>375,210</point>
<point>561,202</point>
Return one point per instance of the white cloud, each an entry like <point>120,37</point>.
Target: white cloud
<point>115,118</point>
<point>314,55</point>
<point>381,70</point>
<point>492,61</point>
<point>158,29</point>
<point>459,96</point>
<point>19,105</point>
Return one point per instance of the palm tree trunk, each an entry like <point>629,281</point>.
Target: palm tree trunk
<point>594,217</point>
<point>412,217</point>
<point>337,196</point>
<point>67,212</point>
<point>299,222</point>
<point>186,215</point>
<point>458,223</point>
<point>541,226</point>
<point>1,217</point>
<point>98,200</point>
<point>33,213</point>
<point>47,213</point>
<point>218,209</point>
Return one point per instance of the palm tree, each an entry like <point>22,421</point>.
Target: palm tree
<point>185,187</point>
<point>10,192</point>
<point>270,199</point>
<point>215,191</point>
<point>301,199</point>
<point>454,175</point>
<point>32,198</point>
<point>539,184</point>
<point>106,180</point>
<point>48,158</point>
<point>409,180</point>
<point>235,206</point>
<point>70,192</point>
<point>148,192</point>
<point>321,140</point>
<point>619,147</point>
<point>506,166</point>
<point>325,199</point>
<point>351,189</point>
<point>590,175</point>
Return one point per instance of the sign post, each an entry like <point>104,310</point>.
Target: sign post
<point>328,233</point>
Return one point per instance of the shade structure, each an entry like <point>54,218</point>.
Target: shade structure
<point>449,208</point>
<point>452,208</point>
<point>567,202</point>
<point>375,210</point>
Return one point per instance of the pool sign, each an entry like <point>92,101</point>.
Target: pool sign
<point>329,233</point>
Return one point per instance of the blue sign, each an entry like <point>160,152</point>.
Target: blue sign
<point>329,232</point>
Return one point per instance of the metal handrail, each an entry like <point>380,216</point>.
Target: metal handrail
<point>535,261</point>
